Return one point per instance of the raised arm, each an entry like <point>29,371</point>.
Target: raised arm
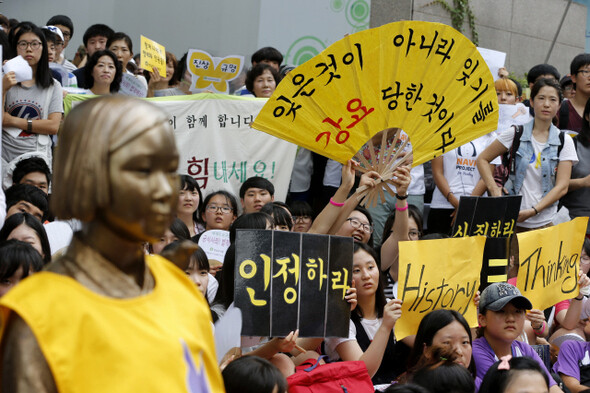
<point>367,179</point>
<point>329,214</point>
<point>400,229</point>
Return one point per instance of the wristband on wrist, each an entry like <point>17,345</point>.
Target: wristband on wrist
<point>542,330</point>
<point>401,197</point>
<point>449,194</point>
<point>579,298</point>
<point>29,125</point>
<point>401,209</point>
<point>536,211</point>
<point>336,203</point>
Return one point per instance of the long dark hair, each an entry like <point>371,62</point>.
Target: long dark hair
<point>15,254</point>
<point>190,184</point>
<point>380,300</point>
<point>429,326</point>
<point>16,220</point>
<point>43,78</point>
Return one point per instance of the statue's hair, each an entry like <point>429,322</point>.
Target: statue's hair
<point>91,132</point>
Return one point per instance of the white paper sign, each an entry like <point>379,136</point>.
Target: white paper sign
<point>512,115</point>
<point>215,243</point>
<point>494,59</point>
<point>21,68</point>
<point>132,86</point>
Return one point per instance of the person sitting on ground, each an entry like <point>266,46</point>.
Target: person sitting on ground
<point>33,171</point>
<point>256,192</point>
<point>17,261</point>
<point>26,198</point>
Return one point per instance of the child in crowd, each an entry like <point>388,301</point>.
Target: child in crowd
<point>17,260</point>
<point>190,204</point>
<point>219,211</point>
<point>302,216</point>
<point>281,215</point>
<point>501,318</point>
<point>253,374</point>
<point>514,375</point>
<point>198,270</point>
<point>256,192</point>
<point>440,372</point>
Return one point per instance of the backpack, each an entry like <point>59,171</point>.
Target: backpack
<point>508,166</point>
<point>337,377</point>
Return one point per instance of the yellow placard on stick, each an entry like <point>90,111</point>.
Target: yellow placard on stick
<point>549,262</point>
<point>423,77</point>
<point>437,274</point>
<point>153,55</point>
<point>212,73</point>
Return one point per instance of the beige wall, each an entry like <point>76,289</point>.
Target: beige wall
<point>524,29</point>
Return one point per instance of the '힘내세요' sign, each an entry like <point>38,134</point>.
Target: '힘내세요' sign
<point>286,281</point>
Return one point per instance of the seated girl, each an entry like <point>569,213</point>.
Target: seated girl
<point>371,336</point>
<point>501,317</point>
<point>17,261</point>
<point>515,374</point>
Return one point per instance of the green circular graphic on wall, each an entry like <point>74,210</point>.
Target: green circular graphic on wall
<point>337,5</point>
<point>303,49</point>
<point>357,13</point>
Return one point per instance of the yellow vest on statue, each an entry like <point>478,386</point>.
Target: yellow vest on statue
<point>159,342</point>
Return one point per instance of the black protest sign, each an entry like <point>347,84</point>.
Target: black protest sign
<point>495,218</point>
<point>286,281</point>
<point>486,216</point>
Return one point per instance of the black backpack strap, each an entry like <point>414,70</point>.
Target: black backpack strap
<point>564,115</point>
<point>518,130</point>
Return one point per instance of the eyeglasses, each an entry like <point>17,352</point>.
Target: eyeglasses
<point>356,224</point>
<point>24,44</point>
<point>215,209</point>
<point>59,44</point>
<point>585,73</point>
<point>304,219</point>
<point>66,35</point>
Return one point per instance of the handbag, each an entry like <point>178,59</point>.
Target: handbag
<point>337,377</point>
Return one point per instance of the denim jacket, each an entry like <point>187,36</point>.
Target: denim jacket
<point>549,160</point>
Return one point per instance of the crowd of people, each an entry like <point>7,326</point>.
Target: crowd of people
<point>102,311</point>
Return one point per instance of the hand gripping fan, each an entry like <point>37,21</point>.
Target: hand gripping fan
<point>425,78</point>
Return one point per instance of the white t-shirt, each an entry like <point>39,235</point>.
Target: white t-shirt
<point>532,188</point>
<point>332,174</point>
<point>370,325</point>
<point>460,170</point>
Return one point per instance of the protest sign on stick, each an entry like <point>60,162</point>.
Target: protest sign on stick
<point>286,281</point>
<point>152,55</point>
<point>212,73</point>
<point>438,274</point>
<point>549,262</point>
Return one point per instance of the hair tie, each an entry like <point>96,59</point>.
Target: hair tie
<point>504,365</point>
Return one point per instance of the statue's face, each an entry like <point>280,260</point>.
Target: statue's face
<point>144,186</point>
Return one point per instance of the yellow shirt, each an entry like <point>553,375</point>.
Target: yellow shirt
<point>158,342</point>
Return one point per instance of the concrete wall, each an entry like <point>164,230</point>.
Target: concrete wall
<point>524,29</point>
<point>217,26</point>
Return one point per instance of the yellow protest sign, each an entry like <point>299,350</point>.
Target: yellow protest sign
<point>423,77</point>
<point>152,55</point>
<point>212,73</point>
<point>549,262</point>
<point>438,274</point>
